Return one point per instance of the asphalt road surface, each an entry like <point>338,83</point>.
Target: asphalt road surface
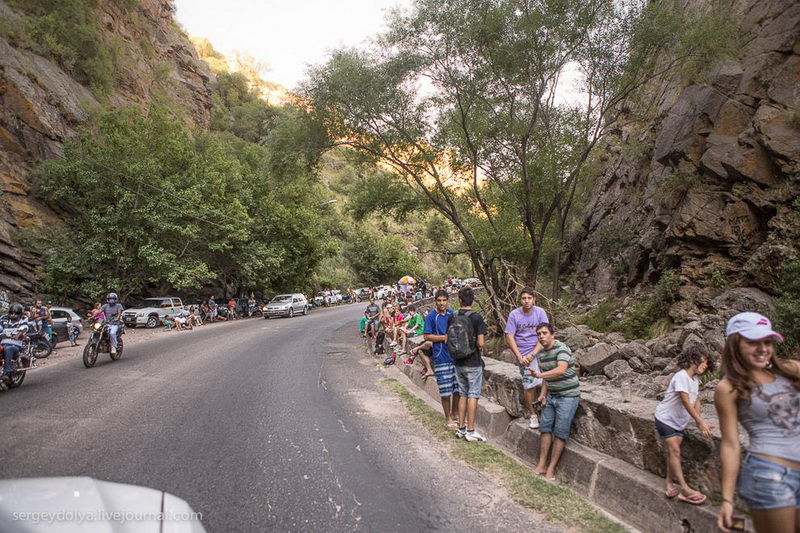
<point>261,425</point>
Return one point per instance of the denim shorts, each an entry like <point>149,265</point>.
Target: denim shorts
<point>667,431</point>
<point>766,485</point>
<point>469,379</point>
<point>557,415</point>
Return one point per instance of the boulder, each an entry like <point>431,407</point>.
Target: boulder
<point>671,368</point>
<point>638,365</point>
<point>617,368</point>
<point>636,350</point>
<point>660,363</point>
<point>694,340</point>
<point>615,338</point>
<point>597,357</point>
<point>742,299</point>
<point>577,337</point>
<point>641,386</point>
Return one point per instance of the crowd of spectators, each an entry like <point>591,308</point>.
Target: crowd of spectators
<point>758,390</point>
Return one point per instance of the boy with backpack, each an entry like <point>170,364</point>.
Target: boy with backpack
<point>466,337</point>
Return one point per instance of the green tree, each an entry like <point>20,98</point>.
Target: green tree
<point>487,145</point>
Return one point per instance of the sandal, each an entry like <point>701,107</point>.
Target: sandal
<point>671,493</point>
<point>695,499</point>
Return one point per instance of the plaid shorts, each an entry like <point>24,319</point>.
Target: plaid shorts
<point>445,378</point>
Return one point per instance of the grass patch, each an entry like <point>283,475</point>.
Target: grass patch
<point>558,504</point>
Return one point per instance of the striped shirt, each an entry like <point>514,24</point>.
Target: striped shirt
<point>9,329</point>
<point>567,385</point>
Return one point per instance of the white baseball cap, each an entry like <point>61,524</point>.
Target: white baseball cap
<point>752,326</point>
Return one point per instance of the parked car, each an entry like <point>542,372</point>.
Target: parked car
<point>472,282</point>
<point>286,305</point>
<point>383,291</point>
<point>150,311</point>
<point>59,317</point>
<point>363,293</point>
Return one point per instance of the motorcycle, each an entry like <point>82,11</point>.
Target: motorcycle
<point>100,342</point>
<point>25,362</point>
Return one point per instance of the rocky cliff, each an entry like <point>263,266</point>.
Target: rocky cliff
<point>709,185</point>
<point>41,107</point>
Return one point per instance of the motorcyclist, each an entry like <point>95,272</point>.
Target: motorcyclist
<point>13,329</point>
<point>112,310</point>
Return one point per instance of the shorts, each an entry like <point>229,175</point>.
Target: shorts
<point>557,415</point>
<point>445,379</point>
<point>528,381</point>
<point>469,380</point>
<point>666,431</point>
<point>766,485</point>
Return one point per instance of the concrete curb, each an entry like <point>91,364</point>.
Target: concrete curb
<point>632,495</point>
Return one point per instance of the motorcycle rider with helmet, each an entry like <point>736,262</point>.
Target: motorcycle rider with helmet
<point>112,310</point>
<point>13,329</point>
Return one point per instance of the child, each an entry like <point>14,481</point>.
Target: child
<point>168,323</point>
<point>672,416</point>
<point>72,331</point>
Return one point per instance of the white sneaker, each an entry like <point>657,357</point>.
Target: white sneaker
<point>474,436</point>
<point>113,350</point>
<point>534,423</point>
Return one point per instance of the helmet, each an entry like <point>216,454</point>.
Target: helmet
<point>15,312</point>
<point>112,297</point>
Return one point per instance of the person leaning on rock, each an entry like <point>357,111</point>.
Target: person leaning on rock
<point>560,397</point>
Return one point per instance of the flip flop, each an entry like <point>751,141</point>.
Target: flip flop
<point>671,493</point>
<point>695,499</point>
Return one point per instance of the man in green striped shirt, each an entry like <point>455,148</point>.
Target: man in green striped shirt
<point>561,394</point>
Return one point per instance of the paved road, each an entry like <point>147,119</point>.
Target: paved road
<point>261,425</point>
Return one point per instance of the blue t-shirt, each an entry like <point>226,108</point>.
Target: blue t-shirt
<point>436,324</point>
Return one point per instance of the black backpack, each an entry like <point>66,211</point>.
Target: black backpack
<point>460,336</point>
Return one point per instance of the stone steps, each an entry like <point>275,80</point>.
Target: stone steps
<point>614,457</point>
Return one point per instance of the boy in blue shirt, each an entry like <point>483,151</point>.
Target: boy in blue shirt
<point>435,331</point>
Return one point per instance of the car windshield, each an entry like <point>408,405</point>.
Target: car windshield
<point>282,299</point>
<point>148,302</point>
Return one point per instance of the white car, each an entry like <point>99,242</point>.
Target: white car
<point>79,504</point>
<point>151,310</point>
<point>383,291</point>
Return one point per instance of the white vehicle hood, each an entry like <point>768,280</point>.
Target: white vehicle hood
<point>83,504</point>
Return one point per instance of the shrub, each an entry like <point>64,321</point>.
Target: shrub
<point>787,310</point>
<point>68,33</point>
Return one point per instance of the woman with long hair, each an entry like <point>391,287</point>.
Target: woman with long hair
<point>762,392</point>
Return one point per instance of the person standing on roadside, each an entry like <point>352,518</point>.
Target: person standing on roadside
<point>372,313</point>
<point>521,338</point>
<point>469,367</point>
<point>560,397</point>
<point>435,330</point>
<point>760,391</point>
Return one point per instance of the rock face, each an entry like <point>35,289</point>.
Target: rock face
<point>706,186</point>
<point>41,107</point>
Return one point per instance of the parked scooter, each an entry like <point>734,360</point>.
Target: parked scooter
<point>100,342</point>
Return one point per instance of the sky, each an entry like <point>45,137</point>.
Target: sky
<point>285,35</point>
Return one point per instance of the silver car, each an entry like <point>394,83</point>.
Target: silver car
<point>59,317</point>
<point>286,305</point>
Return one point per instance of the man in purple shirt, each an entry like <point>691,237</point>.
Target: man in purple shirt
<point>521,338</point>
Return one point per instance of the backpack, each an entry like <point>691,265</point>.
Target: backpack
<point>460,336</point>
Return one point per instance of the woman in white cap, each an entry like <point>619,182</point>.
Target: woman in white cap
<point>762,392</point>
